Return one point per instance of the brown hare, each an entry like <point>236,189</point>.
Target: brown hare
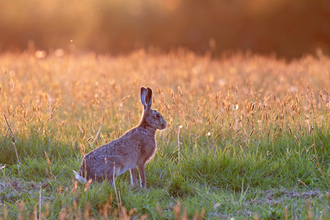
<point>134,149</point>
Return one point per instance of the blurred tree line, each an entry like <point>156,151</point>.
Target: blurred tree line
<point>287,27</point>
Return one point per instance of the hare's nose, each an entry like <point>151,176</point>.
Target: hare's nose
<point>164,125</point>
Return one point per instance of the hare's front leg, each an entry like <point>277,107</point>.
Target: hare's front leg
<point>133,176</point>
<point>142,175</point>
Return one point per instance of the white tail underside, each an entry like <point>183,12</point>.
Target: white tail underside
<point>79,178</point>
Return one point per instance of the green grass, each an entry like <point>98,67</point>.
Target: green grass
<point>227,180</point>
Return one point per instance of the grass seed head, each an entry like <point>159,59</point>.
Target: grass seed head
<point>62,214</point>
<point>177,210</point>
<point>88,184</point>
<point>87,210</point>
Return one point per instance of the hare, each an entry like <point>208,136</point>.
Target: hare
<point>134,149</point>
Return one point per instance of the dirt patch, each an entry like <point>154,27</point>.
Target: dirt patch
<point>275,197</point>
<point>304,195</point>
<point>18,185</point>
<point>22,186</point>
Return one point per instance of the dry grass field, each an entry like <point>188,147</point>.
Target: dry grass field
<point>253,135</point>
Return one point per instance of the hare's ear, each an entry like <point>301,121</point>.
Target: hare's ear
<point>149,98</point>
<point>143,95</point>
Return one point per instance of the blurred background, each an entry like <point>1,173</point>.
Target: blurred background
<point>287,28</point>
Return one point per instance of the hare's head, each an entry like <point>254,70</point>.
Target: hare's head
<point>151,117</point>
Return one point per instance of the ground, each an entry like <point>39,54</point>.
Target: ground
<point>247,136</point>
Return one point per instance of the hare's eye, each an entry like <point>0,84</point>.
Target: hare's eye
<point>157,115</point>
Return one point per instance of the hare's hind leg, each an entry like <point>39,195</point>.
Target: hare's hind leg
<point>111,173</point>
<point>142,175</point>
<point>133,176</point>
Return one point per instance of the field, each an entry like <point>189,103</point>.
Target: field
<point>248,136</point>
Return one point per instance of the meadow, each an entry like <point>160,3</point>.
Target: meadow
<point>247,136</point>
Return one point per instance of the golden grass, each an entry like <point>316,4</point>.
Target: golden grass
<point>248,94</point>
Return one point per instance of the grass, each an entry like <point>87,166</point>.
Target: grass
<point>254,141</point>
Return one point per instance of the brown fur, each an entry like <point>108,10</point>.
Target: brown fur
<point>134,149</point>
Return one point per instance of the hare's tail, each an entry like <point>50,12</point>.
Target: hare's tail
<point>79,178</point>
